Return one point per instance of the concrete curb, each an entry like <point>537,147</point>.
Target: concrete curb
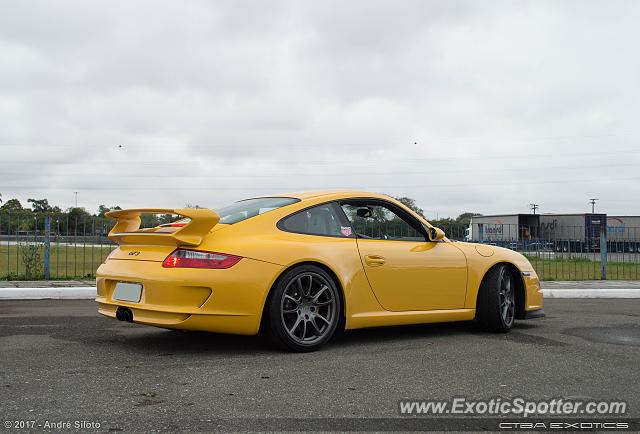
<point>89,292</point>
<point>592,293</point>
<point>70,293</point>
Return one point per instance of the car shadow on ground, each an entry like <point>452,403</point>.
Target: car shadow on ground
<point>173,342</point>
<point>163,343</point>
<point>402,333</point>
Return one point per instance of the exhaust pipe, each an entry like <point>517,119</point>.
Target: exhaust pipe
<point>124,314</point>
<point>128,315</point>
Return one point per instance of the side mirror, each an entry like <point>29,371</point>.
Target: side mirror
<point>436,234</point>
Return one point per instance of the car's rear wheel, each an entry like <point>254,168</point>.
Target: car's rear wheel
<point>496,305</point>
<point>304,309</point>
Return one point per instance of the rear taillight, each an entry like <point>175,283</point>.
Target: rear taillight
<point>183,258</point>
<point>177,224</point>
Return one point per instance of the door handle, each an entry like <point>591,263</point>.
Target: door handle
<point>374,260</point>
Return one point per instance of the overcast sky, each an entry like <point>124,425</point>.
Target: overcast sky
<point>465,106</point>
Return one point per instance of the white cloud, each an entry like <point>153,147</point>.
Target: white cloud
<point>464,106</point>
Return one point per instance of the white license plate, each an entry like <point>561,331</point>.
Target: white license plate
<point>128,292</point>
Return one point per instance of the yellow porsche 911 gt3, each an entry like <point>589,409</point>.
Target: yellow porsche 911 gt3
<point>301,266</point>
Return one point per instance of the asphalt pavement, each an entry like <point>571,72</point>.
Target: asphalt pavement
<point>62,362</point>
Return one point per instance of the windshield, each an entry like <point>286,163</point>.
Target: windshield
<point>236,212</point>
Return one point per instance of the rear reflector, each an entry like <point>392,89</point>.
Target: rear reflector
<point>184,258</point>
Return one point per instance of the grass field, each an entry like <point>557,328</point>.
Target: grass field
<point>67,262</point>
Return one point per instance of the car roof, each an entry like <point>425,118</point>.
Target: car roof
<point>331,194</point>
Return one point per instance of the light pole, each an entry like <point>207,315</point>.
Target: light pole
<point>534,207</point>
<point>593,205</point>
<point>76,195</point>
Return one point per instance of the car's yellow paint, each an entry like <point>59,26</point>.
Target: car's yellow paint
<point>416,282</point>
<point>400,280</point>
<point>128,221</point>
<point>190,299</point>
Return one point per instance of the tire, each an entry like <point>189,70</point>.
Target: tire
<point>303,310</point>
<point>496,305</point>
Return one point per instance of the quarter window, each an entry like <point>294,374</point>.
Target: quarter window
<point>248,208</point>
<point>318,220</point>
<point>381,223</point>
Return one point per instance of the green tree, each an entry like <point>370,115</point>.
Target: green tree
<point>40,205</point>
<point>455,228</point>
<point>77,221</point>
<point>411,204</point>
<point>149,220</point>
<point>102,209</point>
<point>465,218</point>
<point>167,218</point>
<point>12,217</point>
<point>12,205</point>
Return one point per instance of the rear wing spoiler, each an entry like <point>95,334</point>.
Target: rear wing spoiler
<point>127,229</point>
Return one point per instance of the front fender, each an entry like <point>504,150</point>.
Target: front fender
<point>481,258</point>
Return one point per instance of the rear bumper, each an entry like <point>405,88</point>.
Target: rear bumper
<point>224,301</point>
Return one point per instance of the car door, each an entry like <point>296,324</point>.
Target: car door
<point>406,272</point>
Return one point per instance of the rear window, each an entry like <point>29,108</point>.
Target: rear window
<point>245,209</point>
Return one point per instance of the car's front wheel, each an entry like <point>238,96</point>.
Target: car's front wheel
<point>496,305</point>
<point>303,310</point>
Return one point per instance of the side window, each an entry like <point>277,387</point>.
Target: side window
<point>318,220</point>
<point>380,223</point>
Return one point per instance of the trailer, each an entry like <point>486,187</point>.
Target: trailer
<point>573,232</point>
<point>539,232</point>
<point>623,234</point>
<point>557,232</point>
<point>515,231</point>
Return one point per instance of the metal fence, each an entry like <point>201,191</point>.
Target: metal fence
<point>62,246</point>
<point>566,252</point>
<point>37,246</point>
